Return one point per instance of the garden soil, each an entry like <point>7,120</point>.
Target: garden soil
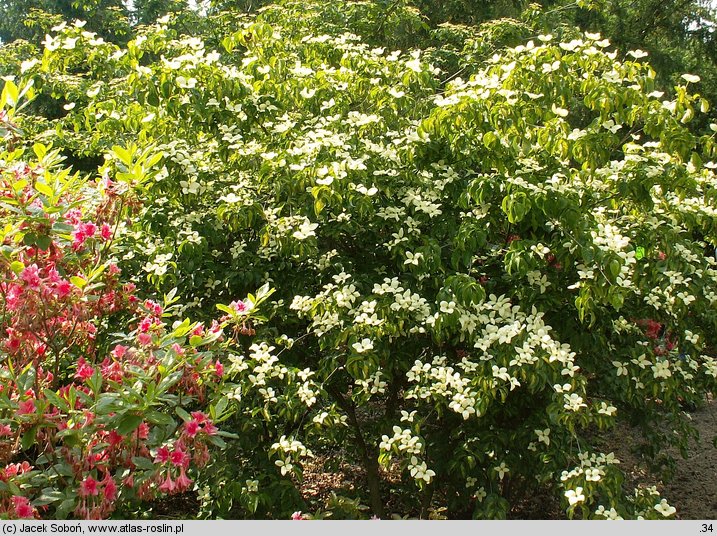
<point>692,489</point>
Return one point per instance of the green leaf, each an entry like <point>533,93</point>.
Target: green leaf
<point>143,463</point>
<point>128,424</point>
<point>40,150</point>
<point>19,185</point>
<point>516,206</point>
<point>79,282</point>
<point>156,417</point>
<point>218,410</point>
<point>17,267</point>
<point>10,94</point>
<point>55,400</point>
<point>613,268</point>
<point>226,309</point>
<point>28,438</point>
<point>186,417</point>
<point>122,154</point>
<point>48,496</point>
<point>44,189</point>
<point>43,242</point>
<point>65,508</point>
<point>218,441</point>
<point>182,329</point>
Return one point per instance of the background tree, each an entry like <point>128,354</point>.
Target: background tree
<point>32,19</point>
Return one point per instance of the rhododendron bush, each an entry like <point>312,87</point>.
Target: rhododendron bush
<point>92,419</point>
<point>476,271</point>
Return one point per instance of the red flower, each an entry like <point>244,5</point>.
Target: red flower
<point>22,507</point>
<point>27,407</point>
<point>199,330</point>
<point>73,216</point>
<point>110,488</point>
<point>89,487</point>
<point>143,431</point>
<point>89,229</point>
<point>145,324</point>
<point>63,289</point>
<point>182,482</point>
<point>119,351</point>
<point>191,428</point>
<point>200,416</point>
<point>84,370</point>
<point>219,368</point>
<point>153,307</point>
<point>13,343</point>
<point>145,339</point>
<point>114,438</point>
<point>31,277</point>
<point>78,240</point>
<point>111,370</point>
<point>210,429</point>
<point>168,486</point>
<point>178,458</point>
<point>653,329</point>
<point>239,306</point>
<point>162,455</point>
<point>106,232</point>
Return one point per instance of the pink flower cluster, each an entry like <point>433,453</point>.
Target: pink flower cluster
<point>62,392</point>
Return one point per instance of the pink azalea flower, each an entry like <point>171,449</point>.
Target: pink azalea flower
<point>63,289</point>
<point>106,231</point>
<point>145,324</point>
<point>210,429</point>
<point>200,416</point>
<point>89,229</point>
<point>31,276</point>
<point>84,370</point>
<point>178,458</point>
<point>88,487</point>
<point>78,240</point>
<point>114,439</point>
<point>162,455</point>
<point>239,306</point>
<point>119,351</point>
<point>22,507</point>
<point>145,339</point>
<point>191,428</point>
<point>183,482</point>
<point>143,431</point>
<point>27,407</point>
<point>110,488</point>
<point>198,331</point>
<point>168,486</point>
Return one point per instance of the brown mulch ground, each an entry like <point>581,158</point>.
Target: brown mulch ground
<point>692,489</point>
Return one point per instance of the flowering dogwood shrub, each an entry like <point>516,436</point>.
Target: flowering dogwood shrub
<point>473,276</point>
